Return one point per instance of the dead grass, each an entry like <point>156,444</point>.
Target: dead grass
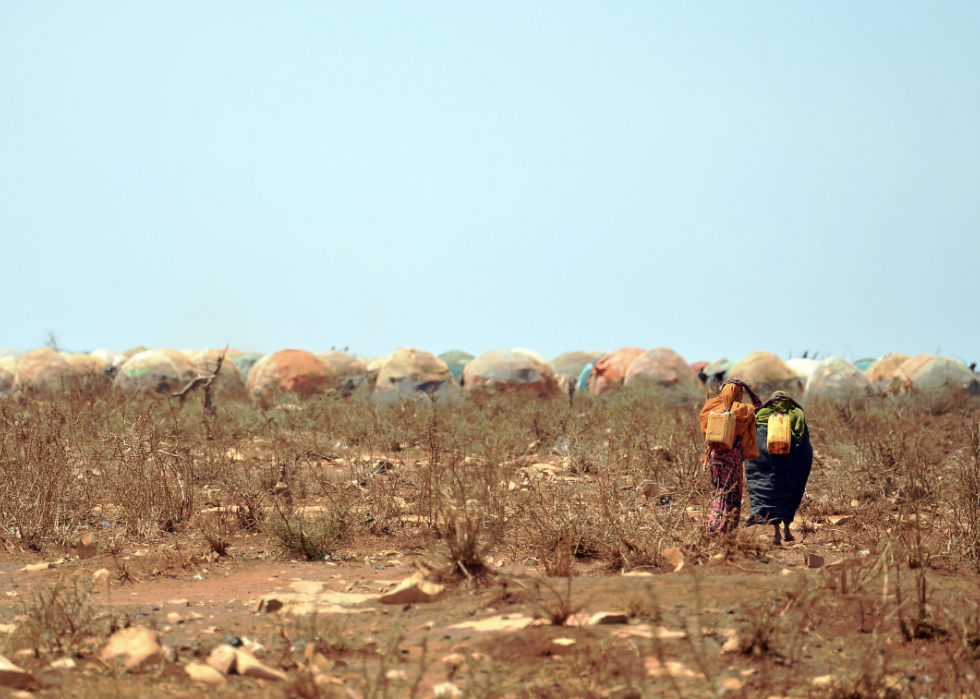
<point>589,486</point>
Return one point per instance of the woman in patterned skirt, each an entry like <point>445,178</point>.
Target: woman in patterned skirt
<point>726,466</point>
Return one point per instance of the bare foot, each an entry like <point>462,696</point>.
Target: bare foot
<point>775,538</point>
<point>786,535</point>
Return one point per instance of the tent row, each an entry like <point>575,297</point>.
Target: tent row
<point>407,370</point>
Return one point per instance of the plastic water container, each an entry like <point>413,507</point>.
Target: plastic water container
<point>779,438</point>
<point>720,434</point>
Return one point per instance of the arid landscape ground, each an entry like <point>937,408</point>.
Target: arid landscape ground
<point>497,546</point>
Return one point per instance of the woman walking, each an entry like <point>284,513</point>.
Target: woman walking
<point>777,481</point>
<point>726,466</point>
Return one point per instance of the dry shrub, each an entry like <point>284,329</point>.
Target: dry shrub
<point>312,537</point>
<point>58,620</point>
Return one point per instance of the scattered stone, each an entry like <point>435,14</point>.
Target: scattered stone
<point>675,669</point>
<point>731,645</point>
<point>15,677</point>
<point>812,560</point>
<point>136,645</point>
<point>507,622</point>
<point>673,558</point>
<point>101,574</point>
<point>824,681</point>
<point>446,689</point>
<point>65,663</point>
<point>639,573</point>
<point>666,634</point>
<point>397,675</point>
<point>182,602</point>
<point>730,684</point>
<point>604,618</point>
<point>837,520</point>
<point>175,618</point>
<point>8,628</point>
<point>199,672</point>
<point>299,604</point>
<point>413,590</point>
<point>87,546</point>
<point>786,571</point>
<point>222,659</point>
<point>247,665</point>
<point>561,646</point>
<point>306,587</point>
<point>35,567</point>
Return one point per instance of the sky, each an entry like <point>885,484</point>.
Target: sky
<point>712,177</point>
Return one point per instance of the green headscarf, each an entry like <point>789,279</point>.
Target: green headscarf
<point>785,405</point>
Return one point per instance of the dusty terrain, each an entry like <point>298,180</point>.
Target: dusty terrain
<point>521,521</point>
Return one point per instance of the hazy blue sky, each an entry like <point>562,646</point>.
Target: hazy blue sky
<point>712,177</point>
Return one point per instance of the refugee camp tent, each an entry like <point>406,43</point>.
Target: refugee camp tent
<point>343,370</point>
<point>245,362</point>
<point>717,371</point>
<point>568,366</point>
<point>456,360</point>
<point>802,367</point>
<point>610,371</point>
<point>289,370</point>
<point>766,373</point>
<point>8,372</point>
<point>409,370</point>
<point>228,383</point>
<point>864,364</point>
<point>931,377</point>
<point>161,371</point>
<point>532,354</point>
<point>881,373</point>
<point>836,380</point>
<point>583,377</point>
<point>666,371</point>
<point>132,352</point>
<point>86,363</point>
<point>500,371</point>
<point>43,370</point>
<point>104,355</point>
<point>696,367</point>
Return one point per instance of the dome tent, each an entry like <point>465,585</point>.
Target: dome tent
<point>8,372</point>
<point>767,373</point>
<point>408,370</point>
<point>43,369</point>
<point>86,363</point>
<point>881,373</point>
<point>292,370</point>
<point>568,366</point>
<point>672,376</point>
<point>456,360</point>
<point>228,382</point>
<point>343,370</point>
<point>610,371</point>
<point>931,376</point>
<point>499,371</point>
<point>585,374</point>
<point>836,380</point>
<point>245,362</point>
<point>162,371</point>
<point>802,367</point>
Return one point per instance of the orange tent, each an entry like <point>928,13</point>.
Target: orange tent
<point>43,369</point>
<point>297,371</point>
<point>610,371</point>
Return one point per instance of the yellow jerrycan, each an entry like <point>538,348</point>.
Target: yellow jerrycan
<point>720,434</point>
<point>779,438</point>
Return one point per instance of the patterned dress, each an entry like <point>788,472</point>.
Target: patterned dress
<point>726,479</point>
